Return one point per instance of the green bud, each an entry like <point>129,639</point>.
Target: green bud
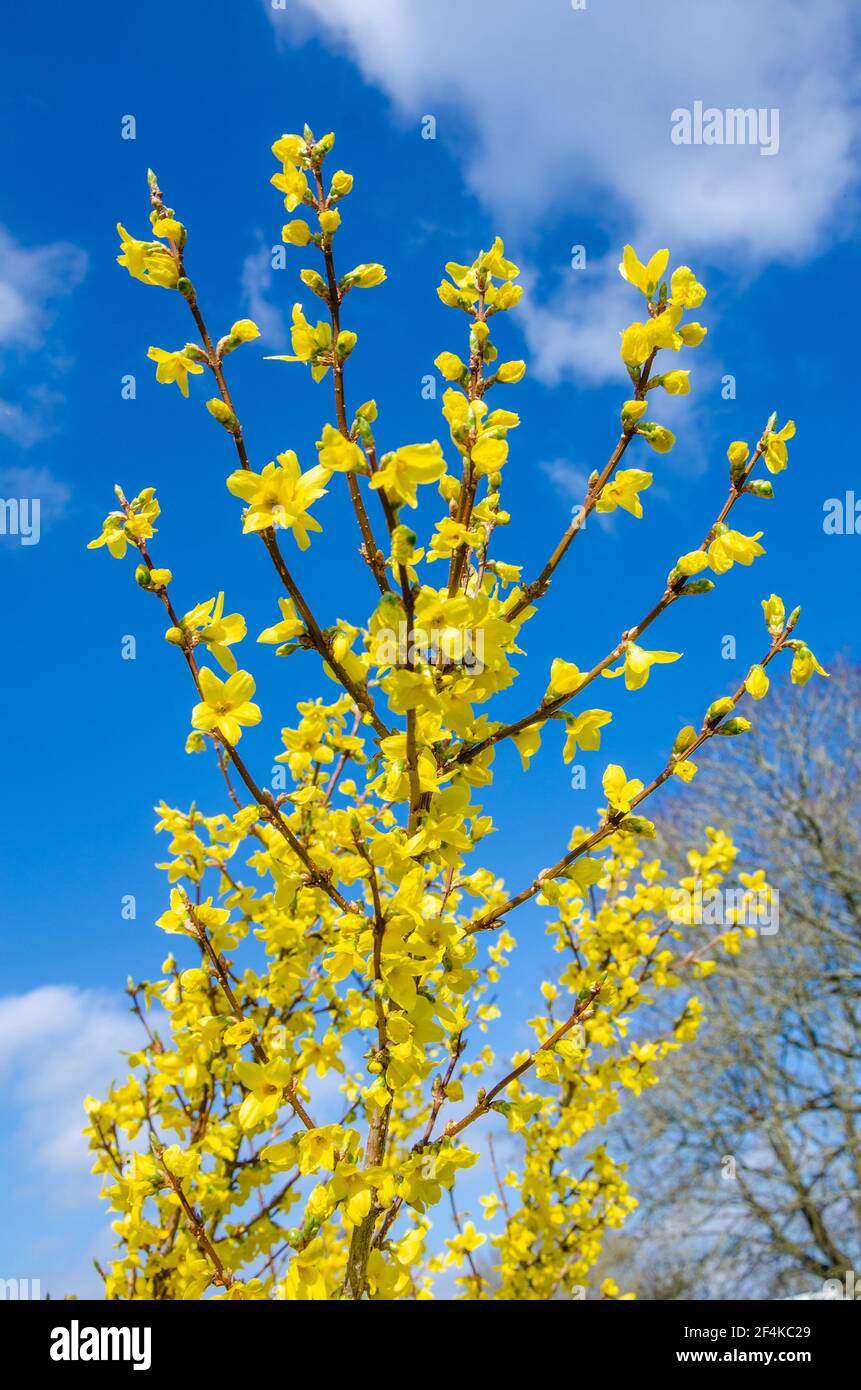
<point>175,635</point>
<point>718,708</point>
<point>638,825</point>
<point>698,586</point>
<point>142,577</point>
<point>760,487</point>
<point>315,282</point>
<point>684,738</point>
<point>734,726</point>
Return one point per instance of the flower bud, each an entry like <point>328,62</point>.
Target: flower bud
<point>296,233</point>
<point>738,454</point>
<point>632,411</point>
<point>220,412</point>
<point>718,708</point>
<point>315,282</point>
<point>638,825</point>
<point>341,184</point>
<point>330,221</point>
<point>760,487</point>
<point>684,738</point>
<point>449,365</point>
<point>734,726</point>
<point>511,372</point>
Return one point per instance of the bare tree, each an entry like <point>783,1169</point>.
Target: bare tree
<point>747,1158</point>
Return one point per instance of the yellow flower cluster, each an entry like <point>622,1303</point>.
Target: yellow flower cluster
<point>324,1053</point>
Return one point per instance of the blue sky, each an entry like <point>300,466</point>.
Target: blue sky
<point>552,128</point>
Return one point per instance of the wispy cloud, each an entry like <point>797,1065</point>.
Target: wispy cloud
<point>35,485</point>
<point>57,1044</point>
<point>256,279</point>
<point>32,281</point>
<point>588,136</point>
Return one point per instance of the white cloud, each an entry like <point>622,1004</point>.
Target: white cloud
<point>58,1044</point>
<point>568,480</point>
<point>256,280</point>
<point>562,113</point>
<point>32,278</point>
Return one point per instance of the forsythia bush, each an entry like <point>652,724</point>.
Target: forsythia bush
<point>373,939</point>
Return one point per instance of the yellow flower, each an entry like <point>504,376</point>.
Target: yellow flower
<point>564,677</point>
<point>622,491</point>
<point>585,729</point>
<point>449,365</point>
<point>364,277</point>
<point>289,626</point>
<point>804,663</point>
<point>296,233</point>
<point>402,471</point>
<point>694,562</point>
<point>640,340</point>
<point>685,769</point>
<point>493,262</point>
<point>509,373</point>
<point>311,345</point>
<point>738,454</point>
<point>339,455</point>
<point>119,528</point>
<point>775,447</point>
<point>645,278</point>
<point>226,706</point>
<point>464,1243</point>
<point>632,411</point>
<point>293,184</point>
<point>692,334</point>
<point>281,496</point>
<point>243,331</point>
<point>676,383</point>
<point>147,261</point>
<point>265,1086</point>
<point>775,614</point>
<point>174,366</point>
<point>729,547</point>
<point>756,683</point>
<point>658,436</point>
<point>619,791</point>
<point>219,633</point>
<point>685,289</point>
<point>638,664</point>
